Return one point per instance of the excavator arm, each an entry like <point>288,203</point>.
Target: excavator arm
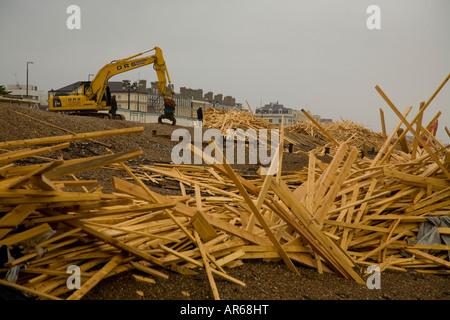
<point>100,81</point>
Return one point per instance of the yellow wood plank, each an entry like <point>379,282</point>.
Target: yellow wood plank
<point>45,271</point>
<point>320,127</point>
<point>185,210</point>
<point>199,264</point>
<point>418,126</point>
<point>93,281</point>
<point>310,182</point>
<point>141,267</point>
<point>356,226</point>
<point>66,138</point>
<point>383,124</point>
<point>144,279</point>
<point>384,152</point>
<point>207,267</point>
<point>428,257</point>
<point>231,257</point>
<point>310,231</point>
<point>15,217</point>
<point>415,179</point>
<point>114,242</point>
<point>381,247</point>
<point>28,290</point>
<point>29,233</point>
<point>20,154</point>
<point>55,126</point>
<point>263,191</point>
<point>256,212</point>
<point>326,203</point>
<point>203,227</point>
<point>90,163</point>
<point>327,178</point>
<point>411,129</point>
<point>443,230</point>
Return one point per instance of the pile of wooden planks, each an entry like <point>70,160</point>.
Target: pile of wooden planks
<point>374,212</point>
<point>237,119</point>
<point>384,210</point>
<point>333,217</point>
<point>233,119</point>
<point>44,220</point>
<point>345,130</point>
<point>57,230</point>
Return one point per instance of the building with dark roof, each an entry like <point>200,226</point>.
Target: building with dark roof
<point>69,89</point>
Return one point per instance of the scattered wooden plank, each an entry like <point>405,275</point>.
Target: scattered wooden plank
<point>207,267</point>
<point>67,138</point>
<point>383,124</point>
<point>93,281</point>
<point>311,233</point>
<point>28,290</point>
<point>429,257</point>
<point>141,267</point>
<point>320,127</point>
<point>203,227</point>
<point>15,217</point>
<point>29,233</point>
<point>58,127</point>
<point>144,279</point>
<point>88,164</point>
<point>20,154</point>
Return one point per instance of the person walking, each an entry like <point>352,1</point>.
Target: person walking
<point>200,115</point>
<point>113,109</point>
<point>169,111</point>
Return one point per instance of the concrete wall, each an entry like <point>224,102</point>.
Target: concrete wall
<point>146,117</point>
<point>15,101</point>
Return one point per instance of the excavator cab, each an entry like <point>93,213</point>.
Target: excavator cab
<point>86,86</point>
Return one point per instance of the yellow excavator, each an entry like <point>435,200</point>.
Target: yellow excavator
<point>95,95</point>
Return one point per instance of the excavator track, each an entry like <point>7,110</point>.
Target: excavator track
<point>98,115</point>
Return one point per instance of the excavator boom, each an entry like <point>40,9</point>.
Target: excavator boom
<point>99,83</point>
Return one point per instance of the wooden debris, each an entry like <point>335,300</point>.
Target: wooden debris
<point>356,135</point>
<point>236,119</point>
<point>337,217</point>
<point>233,119</point>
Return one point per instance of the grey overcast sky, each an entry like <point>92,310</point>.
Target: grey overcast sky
<point>318,55</point>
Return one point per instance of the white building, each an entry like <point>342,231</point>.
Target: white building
<point>20,90</point>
